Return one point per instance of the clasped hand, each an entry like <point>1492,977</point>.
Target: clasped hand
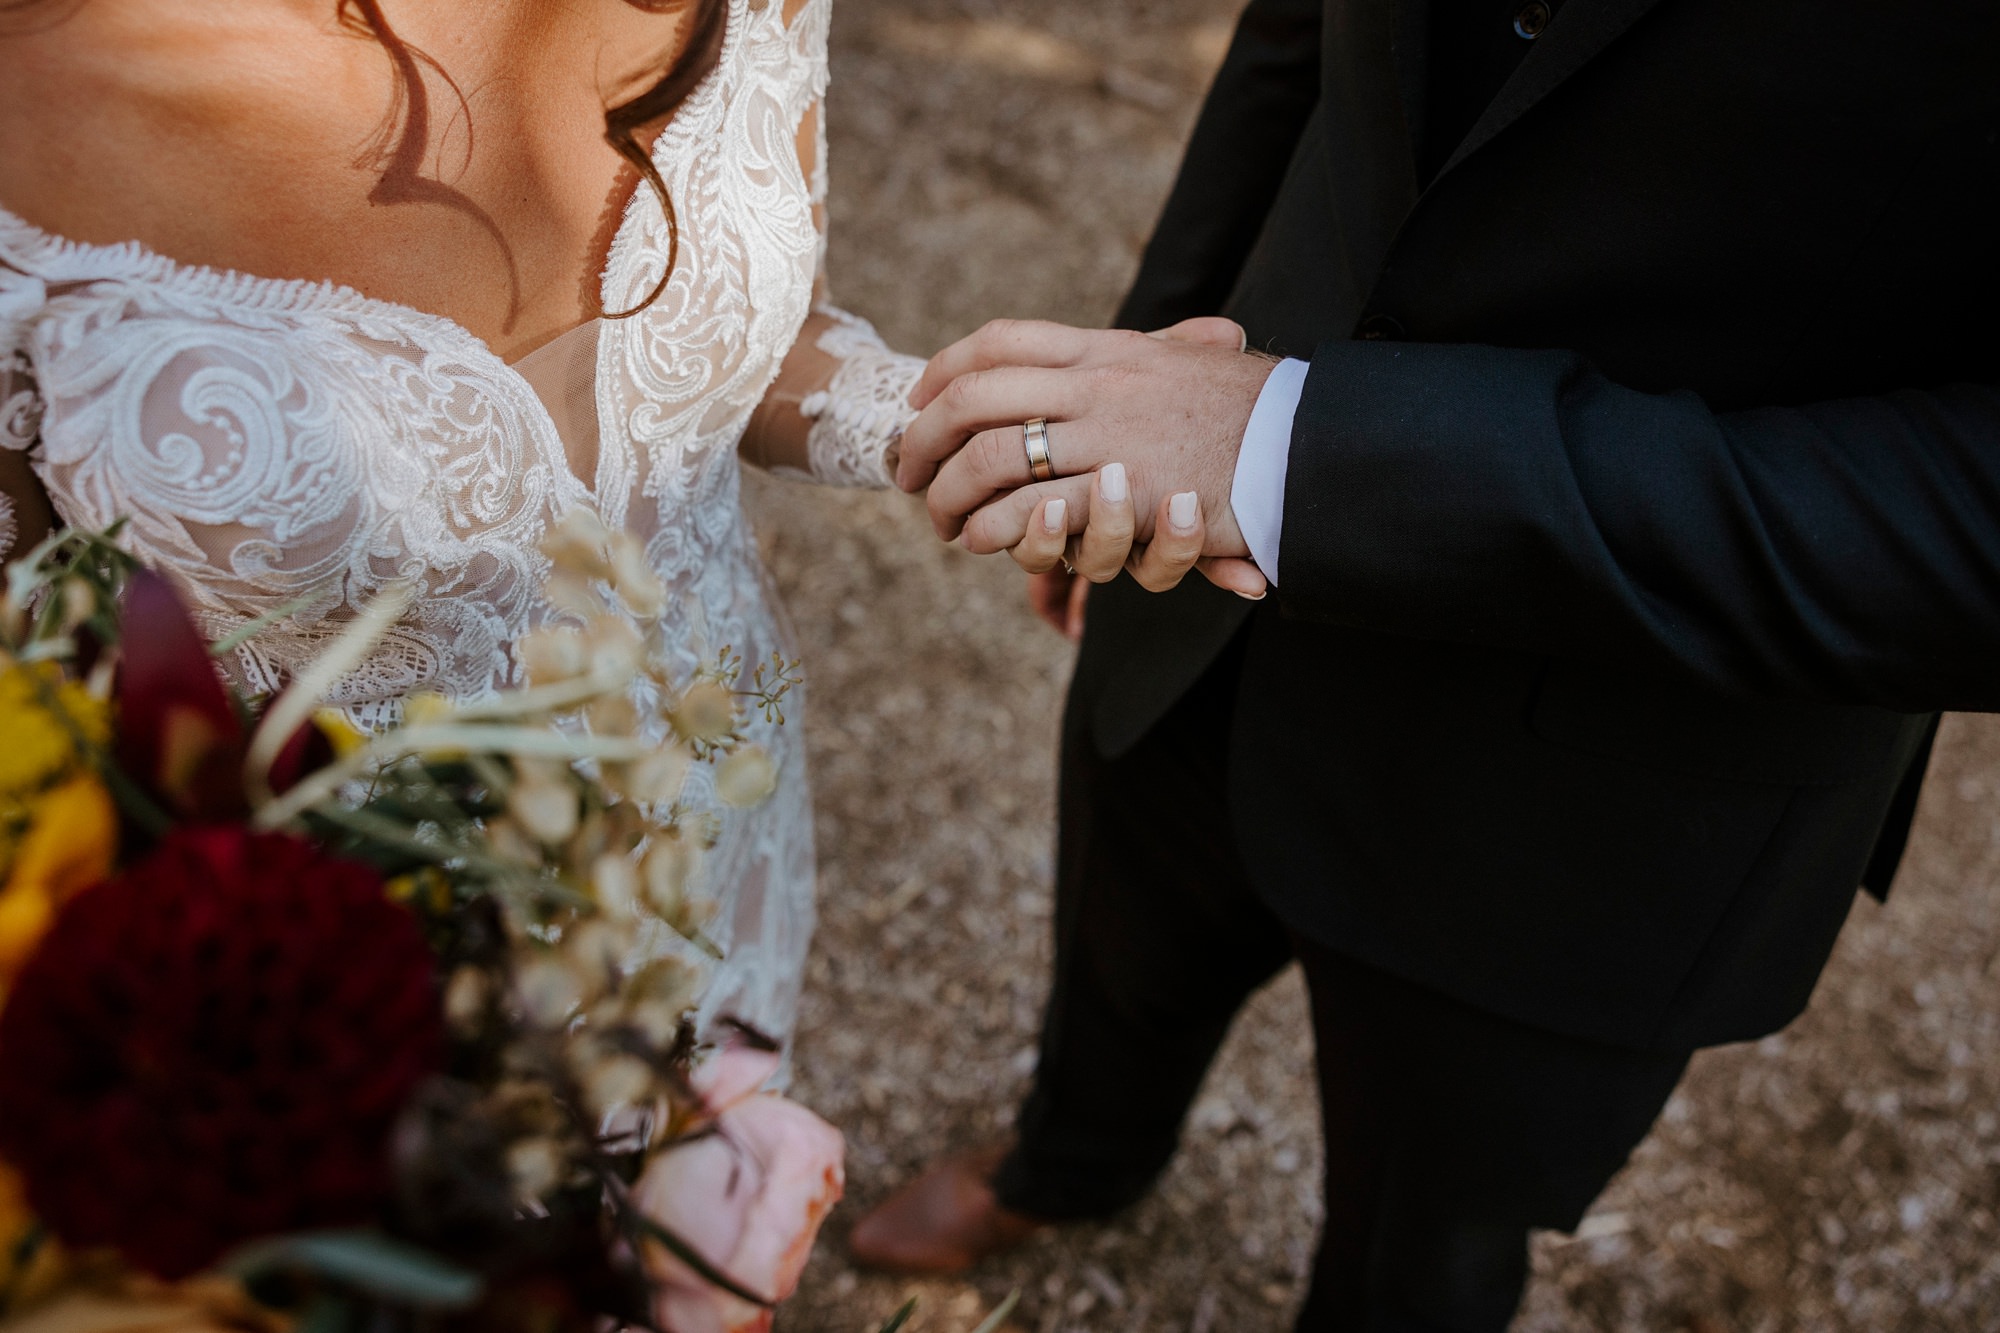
<point>1143,434</point>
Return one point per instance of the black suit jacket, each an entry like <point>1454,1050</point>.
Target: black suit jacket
<point>1643,503</point>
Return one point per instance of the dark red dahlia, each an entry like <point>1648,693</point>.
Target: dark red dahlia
<point>213,1046</point>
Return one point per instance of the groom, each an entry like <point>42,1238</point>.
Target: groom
<point>1632,508</point>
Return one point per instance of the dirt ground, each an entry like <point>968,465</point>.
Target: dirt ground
<point>1008,157</point>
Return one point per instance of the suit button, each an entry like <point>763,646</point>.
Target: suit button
<point>1530,19</point>
<point>1381,328</point>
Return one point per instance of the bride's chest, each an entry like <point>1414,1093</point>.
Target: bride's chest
<point>214,391</point>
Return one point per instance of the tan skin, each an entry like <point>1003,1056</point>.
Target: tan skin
<point>237,136</point>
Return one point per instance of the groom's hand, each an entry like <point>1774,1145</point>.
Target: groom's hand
<point>1171,409</point>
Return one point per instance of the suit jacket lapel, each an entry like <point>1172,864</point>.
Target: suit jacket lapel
<point>1581,30</point>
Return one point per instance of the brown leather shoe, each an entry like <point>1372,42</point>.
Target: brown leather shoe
<point>945,1221</point>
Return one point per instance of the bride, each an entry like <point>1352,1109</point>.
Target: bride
<point>323,294</point>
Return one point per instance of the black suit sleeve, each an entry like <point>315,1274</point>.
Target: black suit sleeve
<point>1847,551</point>
<point>1235,162</point>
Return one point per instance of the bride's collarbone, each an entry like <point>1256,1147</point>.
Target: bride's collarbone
<point>283,146</point>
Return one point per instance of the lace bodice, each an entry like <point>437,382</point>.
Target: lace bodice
<point>280,443</point>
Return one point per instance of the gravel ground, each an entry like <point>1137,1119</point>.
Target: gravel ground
<point>1008,158</point>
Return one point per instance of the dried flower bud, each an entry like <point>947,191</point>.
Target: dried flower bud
<point>657,1021</point>
<point>466,998</point>
<point>666,982</point>
<point>536,1167</point>
<point>747,777</point>
<point>616,1083</point>
<point>576,545</point>
<point>638,586</point>
<point>615,881</point>
<point>577,596</point>
<point>547,811</point>
<point>670,863</point>
<point>526,1106</point>
<point>593,950</point>
<point>548,991</point>
<point>590,841</point>
<point>707,712</point>
<point>553,653</point>
<point>616,648</point>
<point>694,913</point>
<point>613,715</point>
<point>511,843</point>
<point>656,778</point>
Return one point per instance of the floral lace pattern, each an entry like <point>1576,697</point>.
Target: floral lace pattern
<point>280,442</point>
<point>859,418</point>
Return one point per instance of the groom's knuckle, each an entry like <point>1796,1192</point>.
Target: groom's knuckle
<point>997,333</point>
<point>992,454</point>
<point>961,393</point>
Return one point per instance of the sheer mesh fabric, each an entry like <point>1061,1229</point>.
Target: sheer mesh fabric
<point>273,442</point>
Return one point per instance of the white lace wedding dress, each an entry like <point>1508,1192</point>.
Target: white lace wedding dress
<point>271,440</point>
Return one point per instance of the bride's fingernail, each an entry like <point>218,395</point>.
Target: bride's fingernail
<point>1055,515</point>
<point>1180,511</point>
<point>1111,483</point>
<point>1254,596</point>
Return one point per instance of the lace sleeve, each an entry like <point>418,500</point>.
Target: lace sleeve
<point>858,402</point>
<point>858,418</point>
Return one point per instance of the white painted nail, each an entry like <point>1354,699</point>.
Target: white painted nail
<point>1055,515</point>
<point>1180,510</point>
<point>1111,483</point>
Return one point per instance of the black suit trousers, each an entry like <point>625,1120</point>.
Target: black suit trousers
<point>1449,1132</point>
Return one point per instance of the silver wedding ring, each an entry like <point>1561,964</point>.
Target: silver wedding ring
<point>1035,434</point>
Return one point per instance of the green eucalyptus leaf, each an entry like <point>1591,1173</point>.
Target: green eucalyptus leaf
<point>901,1317</point>
<point>367,1261</point>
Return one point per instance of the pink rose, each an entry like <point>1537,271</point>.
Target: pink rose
<point>748,1198</point>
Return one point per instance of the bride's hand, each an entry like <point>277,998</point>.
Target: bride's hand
<point>1104,546</point>
<point>1107,522</point>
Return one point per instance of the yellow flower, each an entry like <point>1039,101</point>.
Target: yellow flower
<point>425,889</point>
<point>40,748</point>
<point>342,735</point>
<point>70,846</point>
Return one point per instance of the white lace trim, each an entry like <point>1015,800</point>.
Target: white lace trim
<point>859,418</point>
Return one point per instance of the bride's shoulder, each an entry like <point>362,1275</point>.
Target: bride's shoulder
<point>113,111</point>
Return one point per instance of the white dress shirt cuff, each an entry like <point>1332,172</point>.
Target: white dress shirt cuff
<point>1257,495</point>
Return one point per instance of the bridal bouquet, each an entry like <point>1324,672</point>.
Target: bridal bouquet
<point>301,1026</point>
